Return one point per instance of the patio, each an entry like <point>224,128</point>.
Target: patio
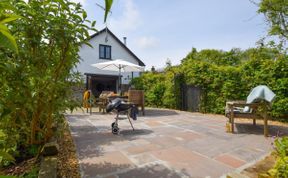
<point>166,143</point>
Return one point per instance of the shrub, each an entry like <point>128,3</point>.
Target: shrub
<point>221,76</point>
<point>36,82</point>
<point>280,169</point>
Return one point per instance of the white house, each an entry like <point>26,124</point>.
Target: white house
<point>106,46</point>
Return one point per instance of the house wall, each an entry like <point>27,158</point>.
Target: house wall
<point>91,56</point>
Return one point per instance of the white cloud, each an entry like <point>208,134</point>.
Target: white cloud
<point>146,42</point>
<point>129,20</point>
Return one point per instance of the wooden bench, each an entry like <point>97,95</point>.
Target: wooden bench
<point>255,114</point>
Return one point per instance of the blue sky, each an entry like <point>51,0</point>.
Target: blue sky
<point>160,29</point>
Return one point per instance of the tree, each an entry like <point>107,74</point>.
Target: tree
<point>276,13</point>
<point>7,40</point>
<point>36,79</point>
<point>35,84</point>
<point>168,63</point>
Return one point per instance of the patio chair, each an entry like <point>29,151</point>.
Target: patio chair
<point>88,100</point>
<point>102,101</point>
<point>137,98</point>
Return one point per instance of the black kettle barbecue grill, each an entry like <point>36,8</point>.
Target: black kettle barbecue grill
<point>120,106</point>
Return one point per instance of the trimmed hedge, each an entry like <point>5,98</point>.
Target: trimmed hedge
<point>222,76</point>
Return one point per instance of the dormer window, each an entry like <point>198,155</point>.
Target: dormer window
<point>104,51</point>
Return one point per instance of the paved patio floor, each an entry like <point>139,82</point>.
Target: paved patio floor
<point>165,144</point>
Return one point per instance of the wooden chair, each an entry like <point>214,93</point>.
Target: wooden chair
<point>88,100</point>
<point>231,112</point>
<point>137,97</point>
<point>102,101</point>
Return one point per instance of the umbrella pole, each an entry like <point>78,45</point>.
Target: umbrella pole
<point>119,83</point>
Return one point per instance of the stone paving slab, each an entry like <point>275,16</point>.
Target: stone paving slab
<point>230,160</point>
<point>192,162</point>
<point>166,143</point>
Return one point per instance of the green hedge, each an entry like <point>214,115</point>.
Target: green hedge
<point>158,87</point>
<point>222,76</point>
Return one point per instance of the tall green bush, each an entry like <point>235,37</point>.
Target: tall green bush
<point>159,88</point>
<point>35,84</point>
<point>222,76</point>
<point>154,87</point>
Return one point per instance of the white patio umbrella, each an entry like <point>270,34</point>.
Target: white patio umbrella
<point>119,65</point>
<point>261,92</point>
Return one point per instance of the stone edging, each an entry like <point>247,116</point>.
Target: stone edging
<point>48,165</point>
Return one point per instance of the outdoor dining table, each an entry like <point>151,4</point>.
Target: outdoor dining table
<point>105,100</point>
<point>124,98</point>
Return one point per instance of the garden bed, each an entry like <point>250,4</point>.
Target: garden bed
<point>261,167</point>
<point>67,163</point>
<point>28,168</point>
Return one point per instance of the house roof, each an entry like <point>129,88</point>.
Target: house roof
<point>120,42</point>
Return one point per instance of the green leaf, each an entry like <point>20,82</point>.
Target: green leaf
<point>7,40</point>
<point>10,18</point>
<point>108,5</point>
<point>5,112</point>
<point>84,15</point>
<point>93,23</point>
<point>6,156</point>
<point>4,4</point>
<point>3,28</point>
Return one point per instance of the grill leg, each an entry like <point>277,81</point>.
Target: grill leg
<point>130,121</point>
<point>115,128</point>
<point>116,119</point>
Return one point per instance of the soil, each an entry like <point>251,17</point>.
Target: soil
<point>21,168</point>
<point>260,167</point>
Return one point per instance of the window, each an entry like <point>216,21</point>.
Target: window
<point>104,52</point>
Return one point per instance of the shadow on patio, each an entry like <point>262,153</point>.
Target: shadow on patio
<point>249,128</point>
<point>129,170</point>
<point>96,138</point>
<point>159,112</point>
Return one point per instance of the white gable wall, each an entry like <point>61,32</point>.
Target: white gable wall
<point>91,56</point>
